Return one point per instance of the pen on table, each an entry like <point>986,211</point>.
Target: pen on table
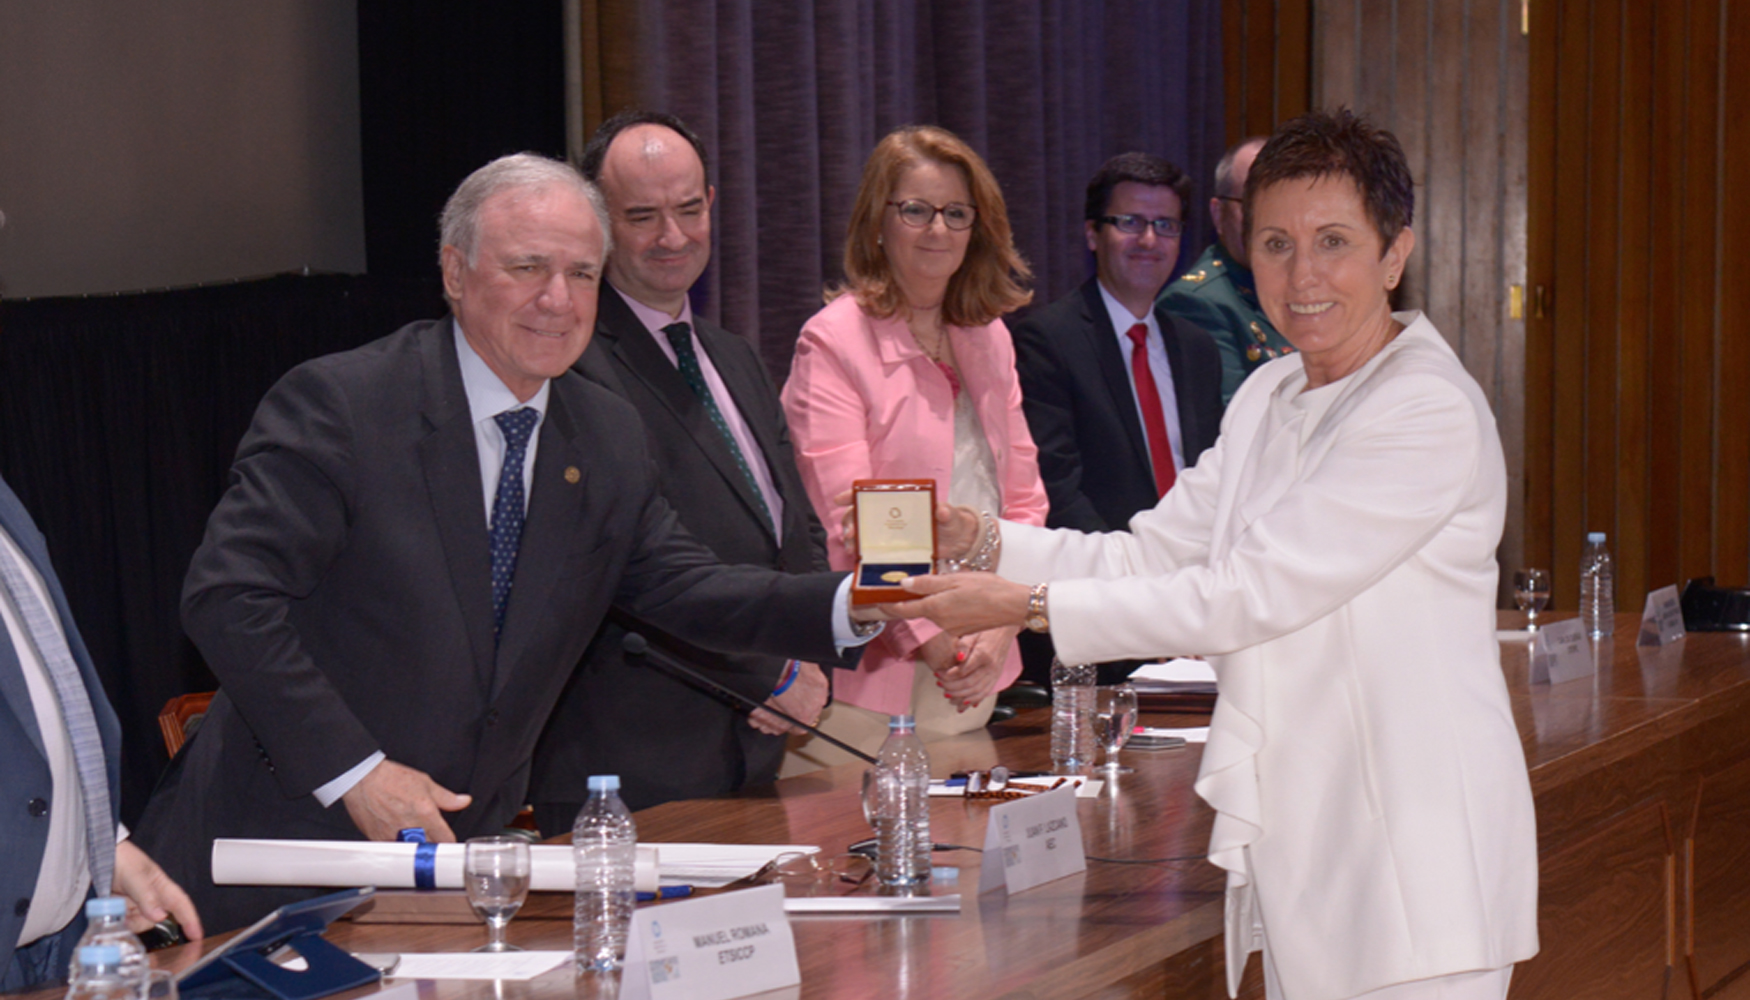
<point>666,892</point>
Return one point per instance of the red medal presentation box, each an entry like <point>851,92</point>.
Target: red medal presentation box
<point>896,536</point>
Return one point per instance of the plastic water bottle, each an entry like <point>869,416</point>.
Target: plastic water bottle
<point>1597,588</point>
<point>107,923</point>
<point>604,845</point>
<point>97,975</point>
<point>1072,717</point>
<point>901,806</point>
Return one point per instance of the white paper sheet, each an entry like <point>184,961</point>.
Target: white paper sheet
<point>511,965</point>
<point>1194,734</point>
<point>1180,671</point>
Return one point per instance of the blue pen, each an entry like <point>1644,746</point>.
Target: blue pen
<point>666,892</point>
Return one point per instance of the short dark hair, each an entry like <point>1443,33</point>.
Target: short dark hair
<point>590,163</point>
<point>1340,143</point>
<point>1137,168</point>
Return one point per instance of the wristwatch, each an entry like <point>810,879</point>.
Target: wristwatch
<point>1036,620</point>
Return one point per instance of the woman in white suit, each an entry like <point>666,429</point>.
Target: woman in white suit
<point>1334,557</point>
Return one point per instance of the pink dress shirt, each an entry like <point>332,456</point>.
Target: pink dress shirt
<point>865,402</point>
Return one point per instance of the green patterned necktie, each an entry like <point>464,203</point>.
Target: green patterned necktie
<point>680,336</point>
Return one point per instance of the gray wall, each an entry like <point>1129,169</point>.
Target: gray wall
<point>162,144</point>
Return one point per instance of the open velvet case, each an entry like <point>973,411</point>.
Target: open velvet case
<point>896,536</point>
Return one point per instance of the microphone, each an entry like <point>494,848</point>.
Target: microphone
<point>635,645</point>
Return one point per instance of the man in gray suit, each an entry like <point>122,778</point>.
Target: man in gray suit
<point>712,419</point>
<point>419,540</point>
<point>52,713</point>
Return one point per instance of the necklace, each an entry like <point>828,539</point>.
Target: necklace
<point>939,356</point>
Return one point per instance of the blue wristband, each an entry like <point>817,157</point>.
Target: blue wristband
<point>792,669</point>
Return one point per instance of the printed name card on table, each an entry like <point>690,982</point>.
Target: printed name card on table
<point>712,948</point>
<point>1032,841</point>
<point>1561,653</point>
<point>1662,622</point>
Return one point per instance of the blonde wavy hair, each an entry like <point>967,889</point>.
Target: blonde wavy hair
<point>991,280</point>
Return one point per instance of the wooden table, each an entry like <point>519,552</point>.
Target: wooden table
<point>1642,779</point>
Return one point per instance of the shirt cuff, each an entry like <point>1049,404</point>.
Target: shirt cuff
<point>844,631</point>
<point>330,793</point>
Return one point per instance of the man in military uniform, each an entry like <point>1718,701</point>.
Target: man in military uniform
<point>1217,293</point>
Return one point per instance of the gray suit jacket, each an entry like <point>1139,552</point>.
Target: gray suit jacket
<point>342,596</point>
<point>24,777</point>
<point>664,739</point>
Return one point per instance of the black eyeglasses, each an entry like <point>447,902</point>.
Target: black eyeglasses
<point>1133,225</point>
<point>918,214</point>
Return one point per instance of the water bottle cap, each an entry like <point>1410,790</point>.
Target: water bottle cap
<point>99,954</point>
<point>106,906</point>
<point>604,782</point>
<point>1596,537</point>
<point>898,722</point>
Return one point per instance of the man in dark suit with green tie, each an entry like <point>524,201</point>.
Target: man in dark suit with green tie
<point>712,420</point>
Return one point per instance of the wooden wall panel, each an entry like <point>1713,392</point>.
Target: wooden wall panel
<point>1266,62</point>
<point>1638,419</point>
<point>1448,78</point>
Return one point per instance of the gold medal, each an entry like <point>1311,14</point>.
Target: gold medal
<point>895,576</point>
<point>1253,354</point>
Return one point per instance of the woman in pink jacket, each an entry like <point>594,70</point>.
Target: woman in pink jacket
<point>908,373</point>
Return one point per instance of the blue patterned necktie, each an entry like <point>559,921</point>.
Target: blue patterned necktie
<point>51,648</point>
<point>508,508</point>
<point>680,336</point>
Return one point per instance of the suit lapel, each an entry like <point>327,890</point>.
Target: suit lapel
<point>450,462</point>
<point>1103,347</point>
<point>744,383</point>
<point>550,534</point>
<point>1189,431</point>
<point>12,686</point>
<point>636,349</point>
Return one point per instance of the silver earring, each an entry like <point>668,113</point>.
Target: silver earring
<point>880,239</point>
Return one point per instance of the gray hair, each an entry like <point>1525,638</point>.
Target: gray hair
<point>459,225</point>
<point>1224,170</point>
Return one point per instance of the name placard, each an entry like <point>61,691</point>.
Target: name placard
<point>1032,841</point>
<point>1561,653</point>
<point>1662,622</point>
<point>711,948</point>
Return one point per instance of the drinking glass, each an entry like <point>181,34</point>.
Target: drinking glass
<point>496,872</point>
<point>158,984</point>
<point>1114,718</point>
<point>1531,592</point>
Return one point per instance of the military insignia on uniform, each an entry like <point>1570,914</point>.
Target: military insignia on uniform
<point>1258,333</point>
<point>1252,352</point>
<point>1195,276</point>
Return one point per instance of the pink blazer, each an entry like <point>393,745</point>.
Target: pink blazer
<point>864,401</point>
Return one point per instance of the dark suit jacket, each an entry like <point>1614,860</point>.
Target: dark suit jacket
<point>24,775</point>
<point>342,596</point>
<point>1093,455</point>
<point>664,739</point>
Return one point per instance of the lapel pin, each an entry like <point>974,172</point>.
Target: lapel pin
<point>572,475</point>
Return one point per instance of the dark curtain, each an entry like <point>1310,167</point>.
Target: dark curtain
<point>791,96</point>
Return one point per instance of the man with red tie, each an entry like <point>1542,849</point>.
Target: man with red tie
<point>1120,395</point>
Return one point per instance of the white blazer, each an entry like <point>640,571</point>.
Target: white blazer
<point>1334,557</point>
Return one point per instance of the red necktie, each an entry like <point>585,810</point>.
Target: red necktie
<point>1160,450</point>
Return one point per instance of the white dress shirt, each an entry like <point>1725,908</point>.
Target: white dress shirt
<point>1158,364</point>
